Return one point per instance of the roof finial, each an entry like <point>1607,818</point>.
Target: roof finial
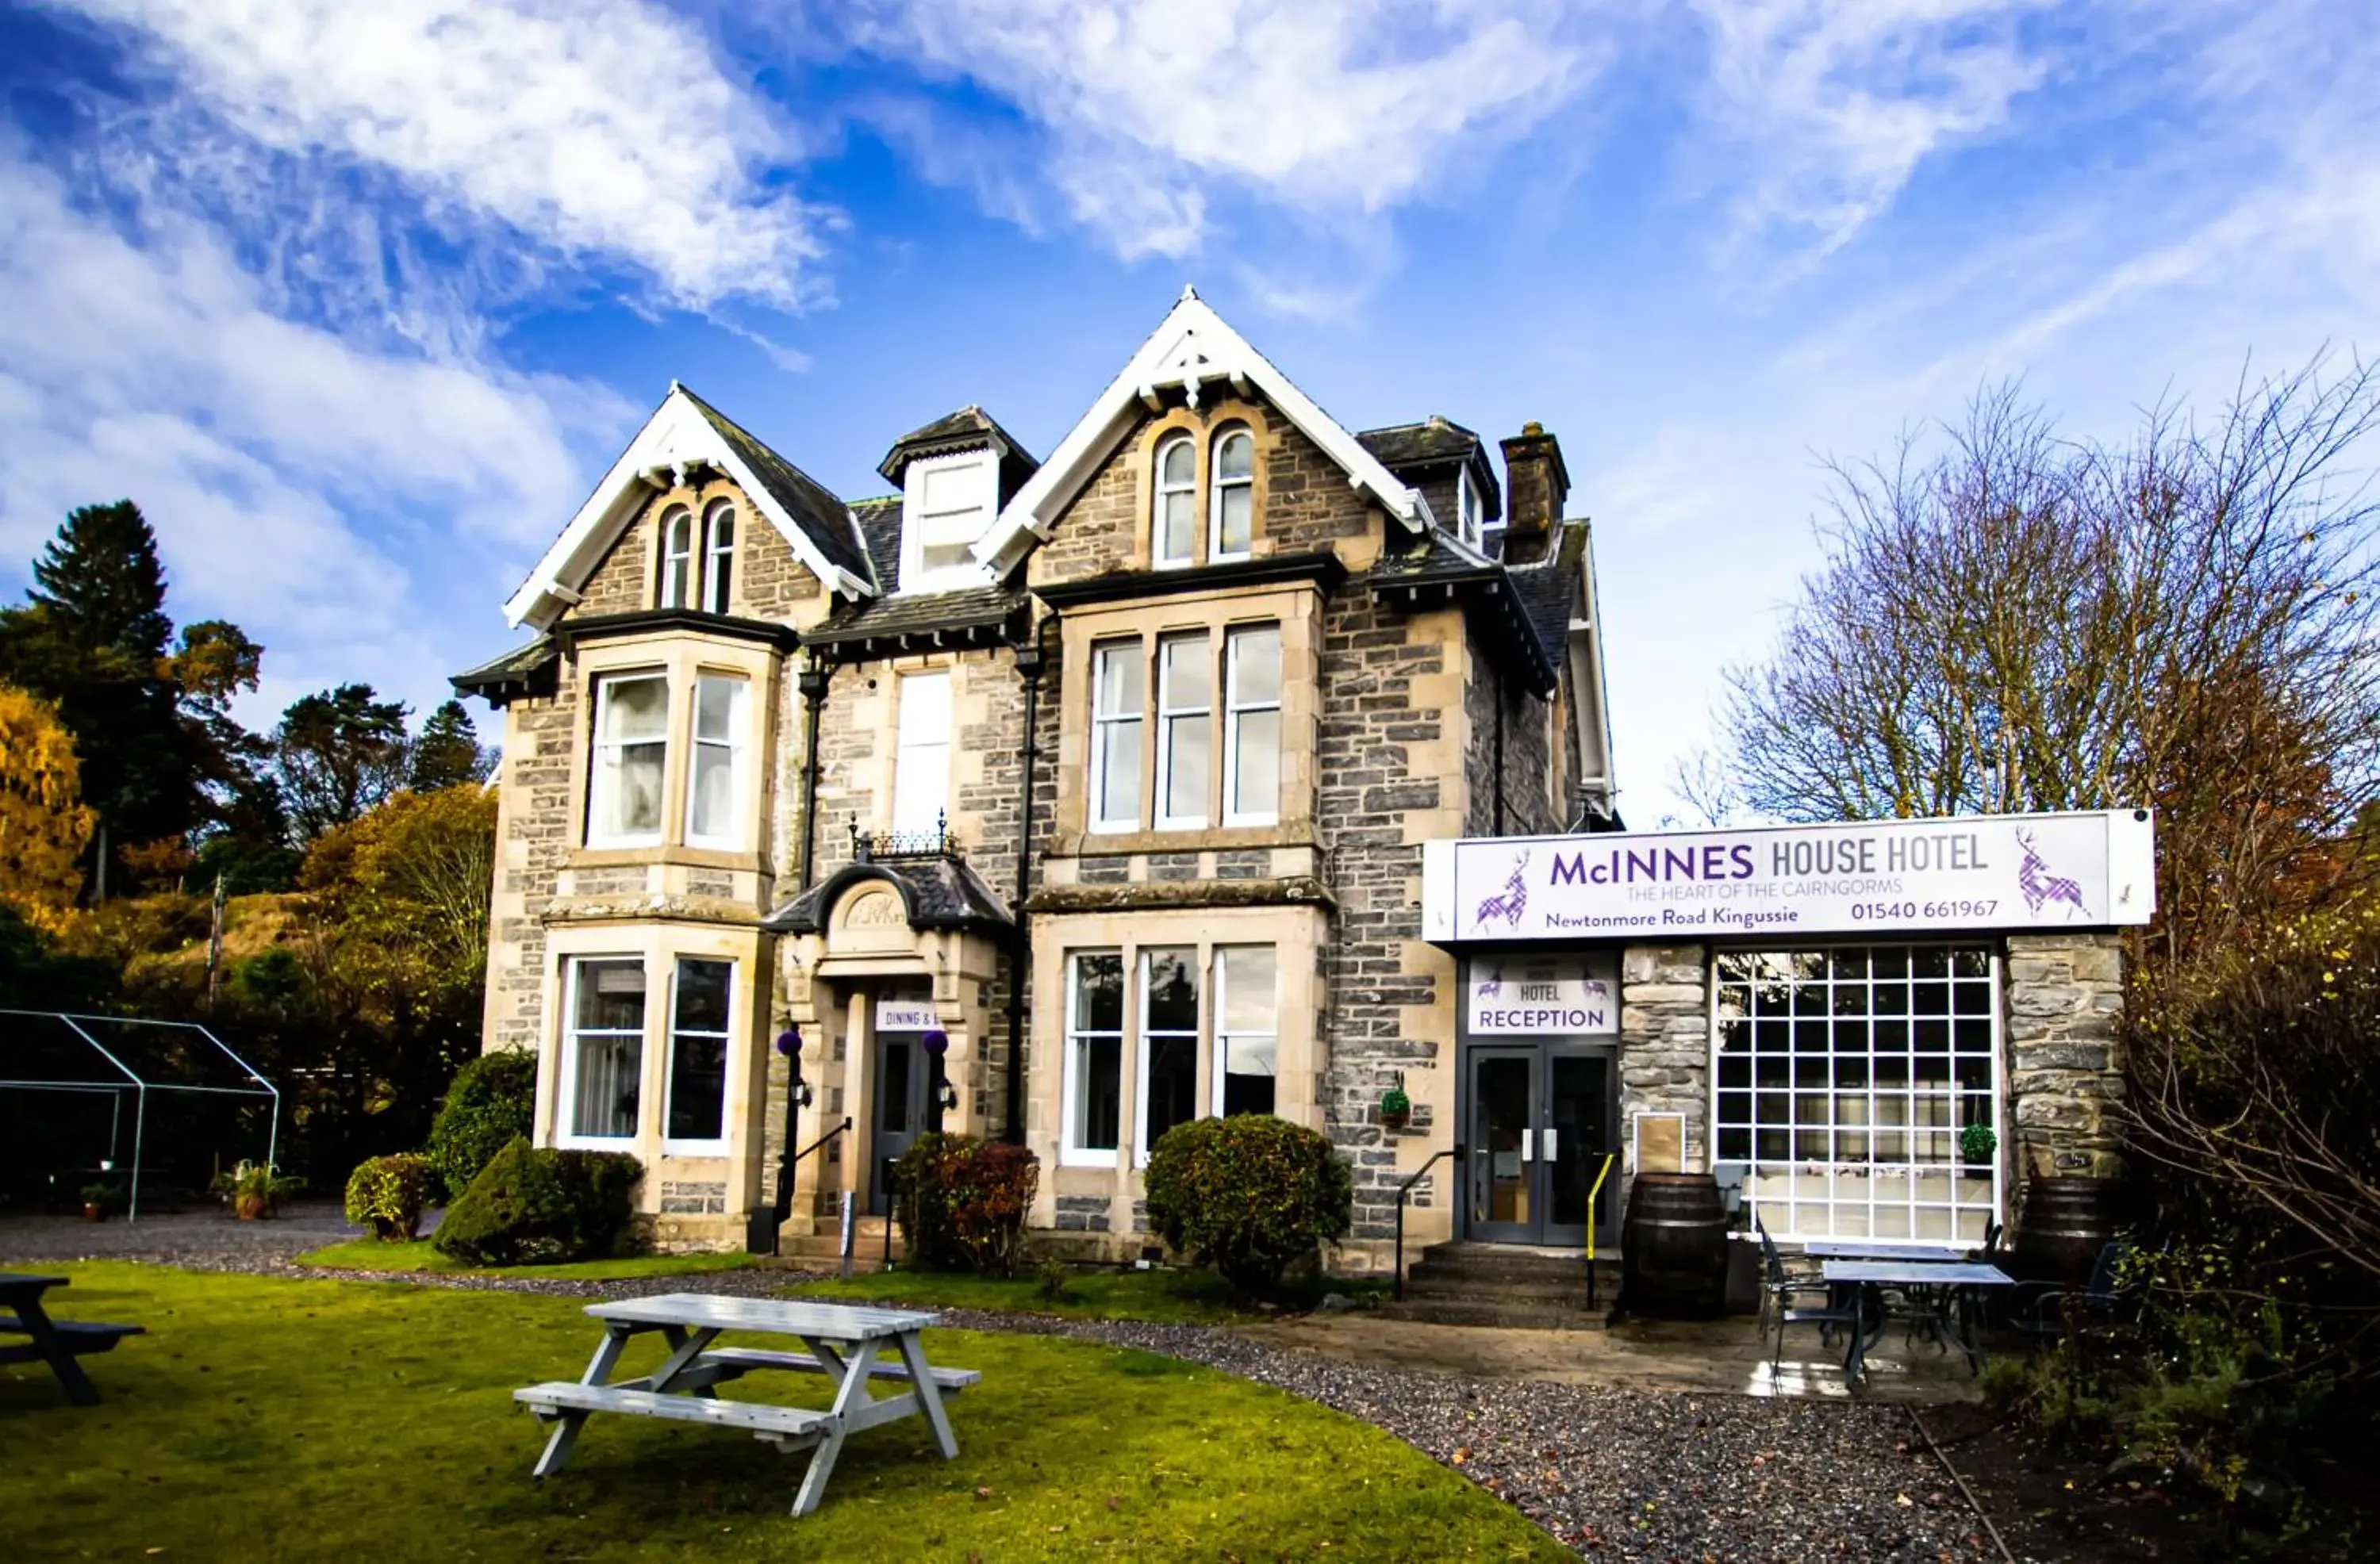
<point>1189,292</point>
<point>674,385</point>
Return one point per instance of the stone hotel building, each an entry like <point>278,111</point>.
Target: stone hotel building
<point>1221,759</point>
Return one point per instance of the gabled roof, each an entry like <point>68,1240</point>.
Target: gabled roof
<point>686,431</point>
<point>968,429</point>
<point>1192,349</point>
<point>1437,442</point>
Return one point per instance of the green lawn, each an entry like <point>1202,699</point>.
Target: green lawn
<point>371,1254</point>
<point>305,1419</point>
<point>1161,1297</point>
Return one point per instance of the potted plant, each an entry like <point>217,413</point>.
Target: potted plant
<point>1396,1109</point>
<point>255,1189</point>
<point>1976,1143</point>
<point>97,1201</point>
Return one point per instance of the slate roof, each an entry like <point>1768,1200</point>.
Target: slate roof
<point>880,527</point>
<point>521,670</point>
<point>961,431</point>
<point>1432,441</point>
<point>823,518</point>
<point>939,893</point>
<point>970,615</point>
<point>1488,587</point>
<point>1547,589</point>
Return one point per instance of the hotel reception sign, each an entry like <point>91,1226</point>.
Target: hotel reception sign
<point>1976,872</point>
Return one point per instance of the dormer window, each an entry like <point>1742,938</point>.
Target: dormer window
<point>1468,502</point>
<point>718,556</point>
<point>1173,532</point>
<point>1234,495</point>
<point>677,560</point>
<point>946,505</point>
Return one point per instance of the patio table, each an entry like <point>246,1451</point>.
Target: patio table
<point>843,1340</point>
<point>1867,1279</point>
<point>56,1342</point>
<point>1917,1251</point>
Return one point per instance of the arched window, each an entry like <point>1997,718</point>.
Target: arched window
<point>1234,488</point>
<point>718,556</point>
<point>1174,530</point>
<point>677,560</point>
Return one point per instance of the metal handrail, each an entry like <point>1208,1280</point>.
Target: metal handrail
<point>783,1207</point>
<point>1601,1174</point>
<point>1405,1189</point>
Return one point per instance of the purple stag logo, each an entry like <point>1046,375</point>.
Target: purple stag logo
<point>2034,878</point>
<point>1510,903</point>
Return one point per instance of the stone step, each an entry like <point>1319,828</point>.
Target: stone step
<point>1520,1271</point>
<point>1491,1312</point>
<point>1550,1292</point>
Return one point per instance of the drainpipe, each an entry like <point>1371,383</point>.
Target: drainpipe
<point>1020,942</point>
<point>812,682</point>
<point>1497,679</point>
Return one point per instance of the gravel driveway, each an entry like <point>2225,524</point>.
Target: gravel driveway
<point>1615,1473</point>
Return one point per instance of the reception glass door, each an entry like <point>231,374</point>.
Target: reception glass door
<point>1541,1120</point>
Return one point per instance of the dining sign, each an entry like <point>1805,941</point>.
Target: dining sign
<point>1972,872</point>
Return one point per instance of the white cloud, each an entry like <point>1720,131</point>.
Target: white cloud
<point>603,130</point>
<point>1152,106</point>
<point>256,446</point>
<point>1828,108</point>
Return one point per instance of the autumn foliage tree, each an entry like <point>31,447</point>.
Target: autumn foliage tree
<point>43,823</point>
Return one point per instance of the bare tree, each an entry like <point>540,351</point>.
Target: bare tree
<point>2185,619</point>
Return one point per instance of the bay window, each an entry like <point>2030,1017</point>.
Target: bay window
<point>1094,1059</point>
<point>1843,1078</point>
<point>630,760</point>
<point>921,761</point>
<point>713,817</point>
<point>1252,726</point>
<point>1248,1032</point>
<point>1168,1041</point>
<point>604,1048</point>
<point>1116,681</point>
<point>700,1004</point>
<point>1173,531</point>
<point>1185,703</point>
<point>1234,490</point>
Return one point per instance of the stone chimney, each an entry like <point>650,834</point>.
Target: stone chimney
<point>1536,485</point>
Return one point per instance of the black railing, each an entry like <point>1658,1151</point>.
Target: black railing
<point>1405,1189</point>
<point>872,847</point>
<point>784,1207</point>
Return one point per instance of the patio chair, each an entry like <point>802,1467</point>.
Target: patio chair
<point>1779,1290</point>
<point>2040,1308</point>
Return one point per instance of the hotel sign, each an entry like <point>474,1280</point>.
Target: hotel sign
<point>1549,995</point>
<point>1972,872</point>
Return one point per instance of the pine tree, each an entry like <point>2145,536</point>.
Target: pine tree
<point>447,752</point>
<point>100,583</point>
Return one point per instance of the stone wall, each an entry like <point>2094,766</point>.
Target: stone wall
<point>2065,1000</point>
<point>535,830</point>
<point>1665,1045</point>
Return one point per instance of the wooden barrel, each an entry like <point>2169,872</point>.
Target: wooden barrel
<point>2065,1224</point>
<point>1673,1247</point>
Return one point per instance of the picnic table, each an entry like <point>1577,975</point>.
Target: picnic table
<point>843,1341</point>
<point>55,1341</point>
<point>1941,1292</point>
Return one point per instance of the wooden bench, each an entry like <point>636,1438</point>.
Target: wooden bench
<point>787,1427</point>
<point>57,1342</point>
<point>747,1360</point>
<point>77,1336</point>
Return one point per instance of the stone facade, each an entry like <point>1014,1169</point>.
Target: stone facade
<point>2065,1071</point>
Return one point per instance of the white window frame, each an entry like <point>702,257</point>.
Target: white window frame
<point>1233,709</point>
<point>599,744</point>
<point>718,557</point>
<point>680,586</point>
<point>1162,490</point>
<point>918,523</point>
<point>1199,1027</point>
<point>1201,646</point>
<point>1218,486</point>
<point>1469,506</point>
<point>739,768</point>
<point>1134,653</point>
<point>566,1108</point>
<point>1218,997</point>
<point>1793,1225</point>
<point>715,1146</point>
<point>911,751</point>
<point>1071,1151</point>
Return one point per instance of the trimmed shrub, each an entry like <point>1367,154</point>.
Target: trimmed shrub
<point>487,1106</point>
<point>386,1193</point>
<point>961,1202</point>
<point>1250,1195</point>
<point>536,1206</point>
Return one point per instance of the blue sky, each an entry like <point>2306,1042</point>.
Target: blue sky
<point>356,300</point>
